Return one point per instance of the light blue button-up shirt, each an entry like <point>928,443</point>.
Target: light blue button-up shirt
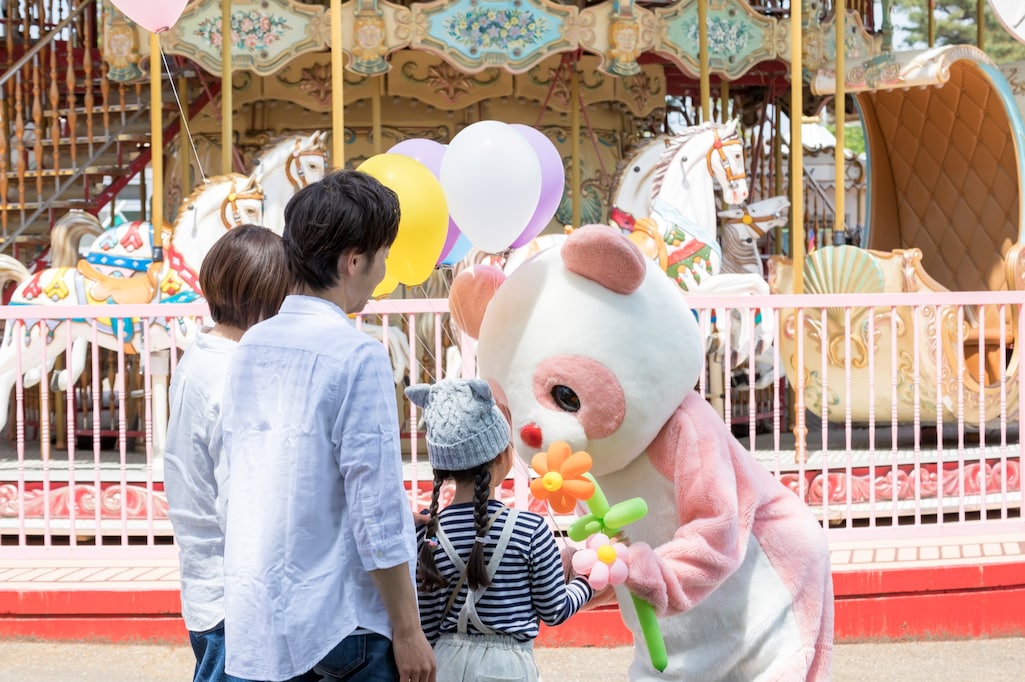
<point>316,495</point>
<point>195,477</point>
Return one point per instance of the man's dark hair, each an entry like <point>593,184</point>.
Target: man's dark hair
<point>345,210</point>
<point>244,276</point>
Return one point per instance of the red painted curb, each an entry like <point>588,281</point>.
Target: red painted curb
<point>926,603</point>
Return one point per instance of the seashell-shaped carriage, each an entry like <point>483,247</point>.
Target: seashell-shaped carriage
<point>946,150</point>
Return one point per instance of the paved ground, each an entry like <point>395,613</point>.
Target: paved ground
<point>994,660</point>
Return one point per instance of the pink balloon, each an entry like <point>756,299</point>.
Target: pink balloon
<point>153,15</point>
<point>553,183</point>
<point>430,154</point>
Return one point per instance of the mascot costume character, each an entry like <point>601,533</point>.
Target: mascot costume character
<point>593,345</point>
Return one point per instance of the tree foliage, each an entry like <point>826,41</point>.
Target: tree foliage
<point>955,25</point>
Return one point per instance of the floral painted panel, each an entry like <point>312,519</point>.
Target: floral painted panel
<point>477,34</point>
<point>737,37</point>
<point>265,34</point>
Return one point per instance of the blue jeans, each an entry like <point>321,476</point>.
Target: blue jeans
<point>209,650</point>
<point>357,658</point>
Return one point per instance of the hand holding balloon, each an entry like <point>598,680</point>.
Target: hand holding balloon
<point>564,481</point>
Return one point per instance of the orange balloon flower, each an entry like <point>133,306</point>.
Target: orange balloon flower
<point>561,477</point>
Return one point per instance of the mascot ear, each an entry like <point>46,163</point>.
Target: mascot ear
<point>604,256</point>
<point>470,294</point>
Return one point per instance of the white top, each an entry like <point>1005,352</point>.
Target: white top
<point>195,477</point>
<point>317,494</point>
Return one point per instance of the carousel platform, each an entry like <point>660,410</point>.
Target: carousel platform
<point>921,565</point>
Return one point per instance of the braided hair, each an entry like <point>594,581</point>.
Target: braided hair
<point>428,577</point>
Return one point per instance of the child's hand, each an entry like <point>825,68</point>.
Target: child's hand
<point>567,553</point>
<point>421,517</point>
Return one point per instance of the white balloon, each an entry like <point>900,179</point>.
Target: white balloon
<point>492,181</point>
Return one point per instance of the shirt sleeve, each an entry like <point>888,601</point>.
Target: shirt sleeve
<point>554,599</point>
<point>366,437</point>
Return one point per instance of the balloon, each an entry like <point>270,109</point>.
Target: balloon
<point>430,153</point>
<point>424,216</point>
<point>553,183</point>
<point>458,250</point>
<point>492,181</point>
<point>152,15</point>
<point>386,287</point>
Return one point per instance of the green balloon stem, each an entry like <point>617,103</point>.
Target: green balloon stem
<point>652,633</point>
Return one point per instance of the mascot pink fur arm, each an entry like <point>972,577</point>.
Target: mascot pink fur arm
<point>722,497</point>
<point>591,344</point>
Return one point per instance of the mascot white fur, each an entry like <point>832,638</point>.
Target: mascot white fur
<point>593,345</point>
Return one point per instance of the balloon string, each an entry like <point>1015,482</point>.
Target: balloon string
<point>185,118</point>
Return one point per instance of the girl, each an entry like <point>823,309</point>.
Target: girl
<point>486,572</point>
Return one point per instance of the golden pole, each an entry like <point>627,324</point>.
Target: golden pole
<point>980,24</point>
<point>574,124</point>
<point>840,157</point>
<point>932,22</point>
<point>724,99</point>
<point>375,112</point>
<point>227,133</point>
<point>156,133</point>
<point>337,87</point>
<point>796,147</point>
<point>706,85</point>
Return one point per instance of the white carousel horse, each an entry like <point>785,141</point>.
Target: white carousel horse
<point>665,195</point>
<point>754,332</point>
<point>126,265</point>
<point>284,166</point>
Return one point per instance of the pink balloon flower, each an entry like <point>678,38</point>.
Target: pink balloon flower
<point>602,561</point>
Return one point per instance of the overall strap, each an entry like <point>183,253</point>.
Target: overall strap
<point>469,610</point>
<point>457,561</point>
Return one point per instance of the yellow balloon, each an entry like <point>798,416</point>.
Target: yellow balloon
<point>424,222</point>
<point>387,285</point>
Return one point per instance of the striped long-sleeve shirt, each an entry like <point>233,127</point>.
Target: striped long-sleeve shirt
<point>529,583</point>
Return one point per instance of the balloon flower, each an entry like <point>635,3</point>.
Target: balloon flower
<point>565,479</point>
<point>602,561</point>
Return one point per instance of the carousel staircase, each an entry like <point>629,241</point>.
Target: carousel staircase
<point>69,137</point>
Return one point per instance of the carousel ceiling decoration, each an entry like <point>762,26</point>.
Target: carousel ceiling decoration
<point>265,34</point>
<point>476,36</point>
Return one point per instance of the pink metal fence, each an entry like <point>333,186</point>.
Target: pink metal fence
<point>81,467</point>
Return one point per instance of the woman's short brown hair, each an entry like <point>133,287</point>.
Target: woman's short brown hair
<point>244,276</point>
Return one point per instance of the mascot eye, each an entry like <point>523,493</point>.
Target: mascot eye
<point>566,398</point>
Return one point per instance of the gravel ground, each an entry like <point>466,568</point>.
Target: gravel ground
<point>993,660</point>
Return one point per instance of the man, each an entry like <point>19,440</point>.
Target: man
<point>320,549</point>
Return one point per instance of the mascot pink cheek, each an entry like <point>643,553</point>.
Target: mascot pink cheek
<point>602,405</point>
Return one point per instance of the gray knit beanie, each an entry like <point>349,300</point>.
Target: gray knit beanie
<point>464,426</point>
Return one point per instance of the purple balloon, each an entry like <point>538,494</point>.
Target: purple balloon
<point>429,153</point>
<point>553,183</point>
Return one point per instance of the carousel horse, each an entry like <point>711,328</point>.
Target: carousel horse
<point>665,197</point>
<point>128,264</point>
<point>284,166</point>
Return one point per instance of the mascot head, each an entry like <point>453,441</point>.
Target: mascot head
<point>589,343</point>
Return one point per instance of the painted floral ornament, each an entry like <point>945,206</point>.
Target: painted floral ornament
<point>602,561</point>
<point>561,479</point>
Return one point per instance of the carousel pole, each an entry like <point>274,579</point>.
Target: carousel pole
<point>980,24</point>
<point>337,87</point>
<point>796,147</point>
<point>227,134</point>
<point>574,124</point>
<point>706,85</point>
<point>930,12</point>
<point>375,112</point>
<point>797,199</point>
<point>839,114</point>
<point>156,134</point>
